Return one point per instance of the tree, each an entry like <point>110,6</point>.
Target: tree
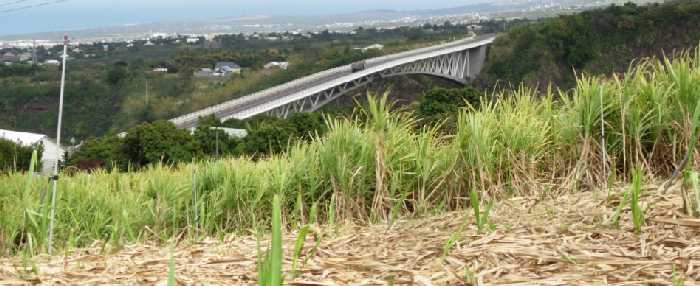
<point>107,149</point>
<point>213,141</point>
<point>15,157</point>
<point>117,73</point>
<point>268,136</point>
<point>307,125</point>
<point>439,101</point>
<point>159,141</point>
<point>234,123</point>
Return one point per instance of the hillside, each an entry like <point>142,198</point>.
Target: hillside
<point>598,184</point>
<point>381,165</point>
<point>115,89</point>
<point>596,42</point>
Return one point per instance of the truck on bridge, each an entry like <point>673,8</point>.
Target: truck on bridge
<point>358,66</point>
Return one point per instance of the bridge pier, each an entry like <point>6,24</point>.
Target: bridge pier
<point>477,58</point>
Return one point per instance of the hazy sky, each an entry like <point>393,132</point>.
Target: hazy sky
<point>79,14</point>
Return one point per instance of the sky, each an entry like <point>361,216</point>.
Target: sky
<point>25,16</point>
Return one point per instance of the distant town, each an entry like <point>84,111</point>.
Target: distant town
<point>268,26</point>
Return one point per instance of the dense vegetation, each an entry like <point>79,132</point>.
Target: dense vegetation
<point>162,142</point>
<point>595,42</point>
<point>440,105</point>
<point>381,166</point>
<point>15,157</point>
<point>115,89</point>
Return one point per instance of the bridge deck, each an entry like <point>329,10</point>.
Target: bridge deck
<point>258,102</point>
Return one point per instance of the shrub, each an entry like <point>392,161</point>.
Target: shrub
<point>14,157</point>
<point>107,149</point>
<point>159,141</point>
<point>268,136</point>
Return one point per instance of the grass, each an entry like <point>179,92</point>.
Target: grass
<point>636,192</point>
<point>632,195</point>
<point>380,165</point>
<point>691,193</point>
<point>298,247</point>
<point>482,218</point>
<point>450,243</point>
<point>270,261</point>
<point>676,279</point>
<point>172,281</point>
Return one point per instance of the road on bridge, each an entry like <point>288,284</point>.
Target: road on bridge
<point>226,109</point>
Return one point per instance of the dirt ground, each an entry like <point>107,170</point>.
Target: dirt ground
<point>564,240</point>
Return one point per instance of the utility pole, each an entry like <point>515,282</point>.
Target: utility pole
<point>34,53</point>
<point>602,141</point>
<point>217,142</point>
<point>146,92</point>
<point>54,179</point>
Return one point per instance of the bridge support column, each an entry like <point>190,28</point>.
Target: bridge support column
<point>476,58</point>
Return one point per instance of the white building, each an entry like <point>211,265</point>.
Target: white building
<point>372,47</point>
<point>226,69</point>
<point>52,152</point>
<point>192,40</point>
<point>160,70</point>
<point>159,35</point>
<point>281,65</point>
<point>231,132</point>
<point>53,62</point>
<point>25,57</point>
<point>204,72</point>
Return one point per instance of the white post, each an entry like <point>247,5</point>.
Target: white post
<point>194,197</point>
<point>58,144</point>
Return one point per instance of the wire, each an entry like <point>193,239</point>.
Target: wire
<point>12,6</point>
<point>13,2</point>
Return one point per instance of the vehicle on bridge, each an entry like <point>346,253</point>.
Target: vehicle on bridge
<point>358,66</point>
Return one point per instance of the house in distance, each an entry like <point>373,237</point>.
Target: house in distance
<point>377,47</point>
<point>226,69</point>
<point>273,65</point>
<point>222,69</point>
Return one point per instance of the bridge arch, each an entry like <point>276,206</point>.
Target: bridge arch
<point>459,61</point>
<point>460,67</point>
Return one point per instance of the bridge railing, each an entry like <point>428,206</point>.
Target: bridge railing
<point>420,50</point>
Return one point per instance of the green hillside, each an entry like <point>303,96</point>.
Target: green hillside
<point>378,165</point>
<point>597,42</point>
<point>116,89</point>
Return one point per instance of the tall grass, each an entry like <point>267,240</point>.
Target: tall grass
<point>691,193</point>
<point>636,193</point>
<point>481,218</point>
<point>382,165</point>
<point>270,261</point>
